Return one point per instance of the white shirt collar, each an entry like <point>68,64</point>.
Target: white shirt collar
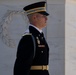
<point>36,28</point>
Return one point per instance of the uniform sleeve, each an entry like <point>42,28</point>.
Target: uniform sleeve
<point>25,55</point>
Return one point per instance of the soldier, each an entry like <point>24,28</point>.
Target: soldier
<point>33,51</point>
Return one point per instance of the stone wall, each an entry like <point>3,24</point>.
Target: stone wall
<point>56,36</point>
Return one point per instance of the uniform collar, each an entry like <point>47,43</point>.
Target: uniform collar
<point>34,31</point>
<point>36,28</point>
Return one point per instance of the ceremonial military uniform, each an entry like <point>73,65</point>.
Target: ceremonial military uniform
<point>27,58</point>
<point>33,51</point>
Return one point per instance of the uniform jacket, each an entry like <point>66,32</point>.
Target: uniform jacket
<point>27,57</point>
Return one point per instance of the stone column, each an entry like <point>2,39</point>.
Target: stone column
<point>70,37</point>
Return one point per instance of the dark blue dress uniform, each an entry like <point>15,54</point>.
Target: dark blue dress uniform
<point>28,57</point>
<point>33,51</point>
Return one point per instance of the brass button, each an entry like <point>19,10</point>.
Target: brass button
<point>42,37</point>
<point>39,34</point>
<point>41,51</point>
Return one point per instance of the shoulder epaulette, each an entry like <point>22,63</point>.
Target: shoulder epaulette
<point>26,34</point>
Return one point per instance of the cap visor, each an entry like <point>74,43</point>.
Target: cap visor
<point>44,13</point>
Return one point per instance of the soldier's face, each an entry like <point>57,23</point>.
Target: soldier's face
<point>41,20</point>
